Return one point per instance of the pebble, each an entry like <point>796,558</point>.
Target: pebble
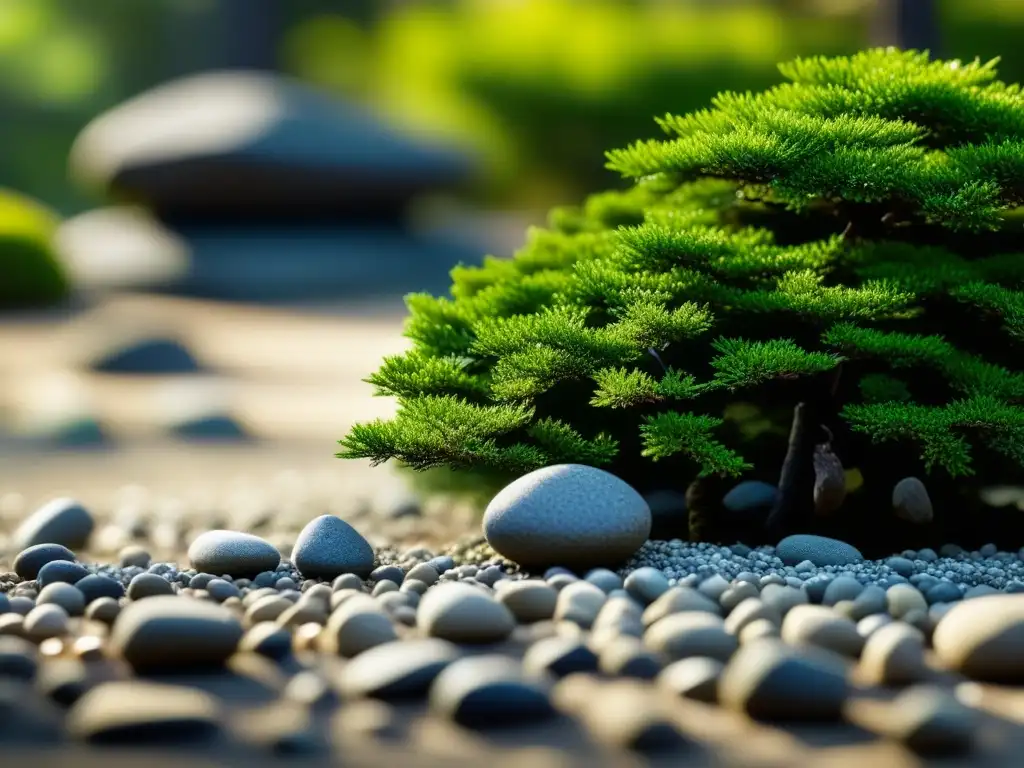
<point>771,680</point>
<point>61,571</point>
<point>627,656</point>
<point>982,638</point>
<point>489,690</point>
<point>580,604</point>
<point>463,614</point>
<point>627,717</point>
<point>559,657</point>
<point>356,626</point>
<point>239,554</point>
<point>911,502</point>
<point>424,573</point>
<point>61,521</point>
<point>678,600</point>
<point>167,632</point>
<point>64,595</point>
<point>529,600</point>
<point>893,655</point>
<point>145,585</point>
<point>30,560</point>
<point>694,678</point>
<point>901,599</point>
<point>819,550</point>
<point>328,547</point>
<point>931,721</point>
<point>397,670</point>
<point>693,633</point>
<point>137,712</point>
<point>817,626</point>
<point>569,514</point>
<point>646,584</point>
<point>17,659</point>
<point>94,586</point>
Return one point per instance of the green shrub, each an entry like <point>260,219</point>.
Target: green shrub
<point>30,274</point>
<point>846,240</point>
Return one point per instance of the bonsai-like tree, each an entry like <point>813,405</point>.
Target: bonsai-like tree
<point>825,271</point>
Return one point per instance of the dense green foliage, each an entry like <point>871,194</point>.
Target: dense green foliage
<point>30,274</point>
<point>847,237</point>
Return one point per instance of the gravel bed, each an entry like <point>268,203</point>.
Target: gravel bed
<point>361,637</point>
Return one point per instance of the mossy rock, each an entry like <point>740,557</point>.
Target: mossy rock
<point>30,273</point>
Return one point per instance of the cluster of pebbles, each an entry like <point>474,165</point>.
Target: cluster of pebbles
<point>348,648</point>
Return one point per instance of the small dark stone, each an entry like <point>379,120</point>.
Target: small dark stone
<point>96,586</point>
<point>61,570</point>
<point>387,573</point>
<point>148,585</point>
<point>17,659</point>
<point>559,657</point>
<point>29,561</point>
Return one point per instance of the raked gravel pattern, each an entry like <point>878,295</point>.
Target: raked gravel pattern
<point>686,654</point>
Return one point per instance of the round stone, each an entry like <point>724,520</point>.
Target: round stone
<point>397,670</point>
<point>18,659</point>
<point>45,621</point>
<point>627,656</point>
<point>357,625</point>
<point>68,597</point>
<point>423,573</point>
<point>559,657</point>
<point>751,496</point>
<point>166,632</point>
<point>137,712</point>
<point>464,614</point>
<point>267,639</point>
<point>489,690</point>
<point>30,560</point>
<point>329,547</point>
<point>646,584</point>
<point>693,678</point>
<point>982,638</point>
<point>842,588</point>
<point>678,600</point>
<point>770,680</point>
<point>901,599</point>
<point>570,515</point>
<point>603,579</point>
<point>819,550</point>
<point>931,721</point>
<point>232,552</point>
<point>816,625</point>
<point>893,655</point>
<point>61,571</point>
<point>95,585</point>
<point>148,585</point>
<point>783,598</point>
<point>911,502</point>
<point>901,565</point>
<point>693,633</point>
<point>579,603</point>
<point>61,521</point>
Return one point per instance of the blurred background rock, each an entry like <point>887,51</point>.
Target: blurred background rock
<point>212,208</point>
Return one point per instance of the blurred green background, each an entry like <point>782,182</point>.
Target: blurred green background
<point>539,87</point>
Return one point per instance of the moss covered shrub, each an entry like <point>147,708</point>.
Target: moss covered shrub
<point>30,274</point>
<point>846,242</point>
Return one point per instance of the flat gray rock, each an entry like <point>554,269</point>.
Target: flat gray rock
<point>329,547</point>
<point>489,691</point>
<point>256,142</point>
<point>236,554</point>
<point>397,670</point>
<point>570,515</point>
<point>60,521</point>
<point>819,550</point>
<point>167,632</point>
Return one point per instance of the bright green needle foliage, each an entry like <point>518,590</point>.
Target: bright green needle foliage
<point>849,236</point>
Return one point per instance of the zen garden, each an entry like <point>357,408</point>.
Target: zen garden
<point>739,450</point>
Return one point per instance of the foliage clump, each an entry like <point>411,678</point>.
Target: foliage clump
<point>850,239</point>
<point>30,273</point>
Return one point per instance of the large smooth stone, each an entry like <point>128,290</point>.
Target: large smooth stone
<point>60,521</point>
<point>256,142</point>
<point>237,554</point>
<point>149,356</point>
<point>820,550</point>
<point>570,515</point>
<point>328,547</point>
<point>982,638</point>
<point>168,632</point>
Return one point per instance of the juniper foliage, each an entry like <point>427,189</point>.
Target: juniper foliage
<point>850,237</point>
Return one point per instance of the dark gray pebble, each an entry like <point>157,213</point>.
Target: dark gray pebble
<point>148,585</point>
<point>30,560</point>
<point>489,691</point>
<point>61,570</point>
<point>95,586</point>
<point>398,669</point>
<point>328,547</point>
<point>558,657</point>
<point>232,552</point>
<point>60,521</point>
